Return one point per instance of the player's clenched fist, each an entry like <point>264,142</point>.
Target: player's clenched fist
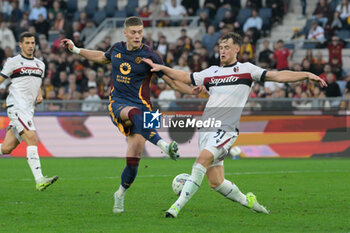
<point>67,43</point>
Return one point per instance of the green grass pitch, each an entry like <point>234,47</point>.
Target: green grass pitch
<point>303,195</point>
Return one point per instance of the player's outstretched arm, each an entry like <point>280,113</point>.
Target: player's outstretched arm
<point>178,75</point>
<point>92,55</point>
<point>180,86</point>
<point>287,76</point>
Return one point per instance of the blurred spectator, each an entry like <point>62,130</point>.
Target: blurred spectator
<point>162,45</point>
<point>228,21</point>
<point>6,9</point>
<point>333,25</point>
<point>56,8</point>
<point>213,6</point>
<point>104,88</point>
<point>82,20</point>
<point>246,47</point>
<point>182,65</point>
<point>255,4</point>
<point>88,30</point>
<point>72,89</point>
<point>322,12</point>
<point>191,6</point>
<point>56,44</point>
<point>155,8</point>
<point>335,49</point>
<point>326,70</point>
<point>304,104</point>
<point>214,59</point>
<point>37,10</point>
<point>76,40</point>
<point>210,38</point>
<point>16,13</point>
<point>297,34</point>
<point>91,101</point>
<point>316,32</point>
<point>336,68</point>
<point>203,20</point>
<point>6,37</point>
<point>145,13</point>
<point>318,63</point>
<point>165,96</point>
<point>277,12</point>
<point>194,63</point>
<point>254,22</point>
<point>344,9</point>
<point>42,26</point>
<point>174,10</point>
<point>47,87</point>
<point>332,90</point>
<point>308,56</point>
<point>59,22</point>
<point>281,55</point>
<point>266,55</point>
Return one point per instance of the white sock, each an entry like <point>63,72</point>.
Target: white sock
<point>232,192</point>
<point>121,191</point>
<point>1,150</point>
<point>191,185</point>
<point>34,162</point>
<point>163,145</point>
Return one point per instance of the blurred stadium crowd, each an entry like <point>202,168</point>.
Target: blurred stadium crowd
<point>70,77</point>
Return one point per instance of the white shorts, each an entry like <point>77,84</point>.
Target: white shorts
<point>218,143</point>
<point>20,120</point>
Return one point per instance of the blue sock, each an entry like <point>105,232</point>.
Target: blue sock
<point>130,171</point>
<point>135,116</point>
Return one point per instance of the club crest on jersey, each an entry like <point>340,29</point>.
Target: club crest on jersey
<point>125,68</point>
<point>138,60</point>
<point>235,69</point>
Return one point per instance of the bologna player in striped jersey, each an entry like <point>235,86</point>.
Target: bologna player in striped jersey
<point>25,73</point>
<point>229,87</point>
<point>130,97</point>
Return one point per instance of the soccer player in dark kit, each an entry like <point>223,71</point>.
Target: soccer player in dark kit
<point>130,97</point>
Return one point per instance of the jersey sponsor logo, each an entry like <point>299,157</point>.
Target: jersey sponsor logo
<point>27,71</point>
<point>138,60</point>
<point>118,55</point>
<point>31,71</point>
<point>215,81</point>
<point>125,68</point>
<point>225,80</point>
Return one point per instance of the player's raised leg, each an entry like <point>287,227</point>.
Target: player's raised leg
<point>33,159</point>
<point>229,190</point>
<point>133,117</point>
<point>191,186</point>
<point>136,144</point>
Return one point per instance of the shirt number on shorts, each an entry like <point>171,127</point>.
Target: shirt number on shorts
<point>219,135</point>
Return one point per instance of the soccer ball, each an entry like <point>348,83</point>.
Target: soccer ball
<point>179,182</point>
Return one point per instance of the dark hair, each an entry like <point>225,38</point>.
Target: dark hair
<point>25,34</point>
<point>133,21</point>
<point>236,38</point>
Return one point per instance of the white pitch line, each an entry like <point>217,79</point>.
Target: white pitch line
<point>226,173</point>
